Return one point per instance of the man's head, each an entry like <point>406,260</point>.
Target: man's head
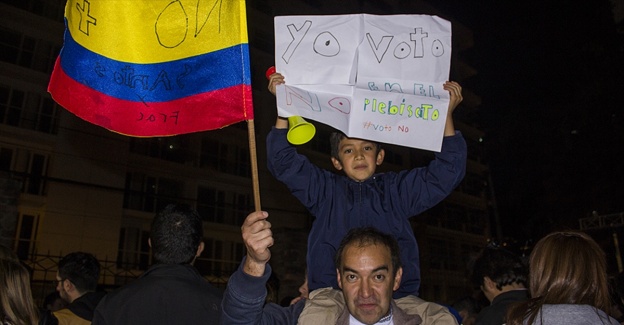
<point>77,274</point>
<point>176,235</point>
<point>357,158</point>
<point>496,270</point>
<point>468,308</point>
<point>369,270</point>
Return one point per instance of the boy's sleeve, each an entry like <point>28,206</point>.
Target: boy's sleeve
<point>243,302</point>
<point>306,181</point>
<point>422,188</point>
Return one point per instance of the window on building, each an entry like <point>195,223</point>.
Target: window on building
<point>6,157</point>
<point>150,193</point>
<point>473,184</point>
<point>176,148</point>
<point>442,256</point>
<point>31,166</point>
<point>226,158</point>
<point>220,258</point>
<point>134,251</point>
<point>28,110</point>
<point>455,217</point>
<point>26,51</point>
<point>476,221</point>
<point>264,40</point>
<point>475,149</point>
<point>27,226</point>
<point>52,9</point>
<point>35,181</point>
<point>265,7</point>
<point>221,206</point>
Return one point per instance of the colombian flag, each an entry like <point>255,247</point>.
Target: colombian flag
<point>155,67</point>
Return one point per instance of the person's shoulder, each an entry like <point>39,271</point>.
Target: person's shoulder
<point>47,318</point>
<point>574,314</point>
<point>490,315</point>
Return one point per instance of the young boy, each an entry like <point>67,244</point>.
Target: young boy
<point>361,197</point>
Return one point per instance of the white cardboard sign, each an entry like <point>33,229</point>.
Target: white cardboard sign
<point>372,77</point>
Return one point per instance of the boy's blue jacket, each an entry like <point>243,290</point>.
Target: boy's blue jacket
<point>385,201</point>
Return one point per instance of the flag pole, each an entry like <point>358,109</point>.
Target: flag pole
<point>254,163</point>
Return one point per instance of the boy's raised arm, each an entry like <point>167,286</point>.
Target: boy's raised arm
<point>274,80</point>
<point>456,97</point>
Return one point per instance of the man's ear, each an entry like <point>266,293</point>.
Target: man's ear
<point>380,157</point>
<point>68,286</point>
<point>338,277</point>
<point>397,279</point>
<point>337,163</point>
<point>200,249</point>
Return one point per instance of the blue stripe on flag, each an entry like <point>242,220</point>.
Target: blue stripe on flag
<point>157,82</point>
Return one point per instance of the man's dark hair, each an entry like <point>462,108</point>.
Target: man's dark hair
<point>82,269</point>
<point>501,266</point>
<point>366,236</point>
<point>334,142</point>
<point>176,233</point>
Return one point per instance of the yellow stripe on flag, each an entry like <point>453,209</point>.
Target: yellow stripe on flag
<point>164,30</point>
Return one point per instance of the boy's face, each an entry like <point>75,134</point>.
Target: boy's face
<point>358,158</point>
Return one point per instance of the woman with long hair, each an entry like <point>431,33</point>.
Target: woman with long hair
<point>567,282</point>
<point>16,302</point>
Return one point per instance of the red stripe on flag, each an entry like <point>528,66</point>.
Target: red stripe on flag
<point>206,111</point>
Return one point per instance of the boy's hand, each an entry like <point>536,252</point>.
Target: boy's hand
<point>257,237</point>
<point>456,95</point>
<point>455,91</point>
<point>274,80</point>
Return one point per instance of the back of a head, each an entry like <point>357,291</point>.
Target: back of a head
<point>467,306</point>
<point>82,269</point>
<point>501,266</point>
<point>569,268</point>
<point>176,234</point>
<point>366,236</point>
<point>16,303</point>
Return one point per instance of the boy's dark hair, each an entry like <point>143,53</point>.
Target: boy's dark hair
<point>501,266</point>
<point>334,142</point>
<point>365,236</point>
<point>82,269</point>
<point>175,235</point>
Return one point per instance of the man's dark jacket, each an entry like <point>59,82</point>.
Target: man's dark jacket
<point>80,311</point>
<point>494,314</point>
<point>164,294</point>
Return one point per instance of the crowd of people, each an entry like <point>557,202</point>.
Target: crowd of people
<point>565,282</point>
<point>363,262</point>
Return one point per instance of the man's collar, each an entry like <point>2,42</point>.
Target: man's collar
<point>386,320</point>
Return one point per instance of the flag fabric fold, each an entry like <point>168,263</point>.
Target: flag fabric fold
<point>154,67</point>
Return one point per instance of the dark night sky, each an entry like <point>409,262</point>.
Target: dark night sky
<point>551,80</point>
